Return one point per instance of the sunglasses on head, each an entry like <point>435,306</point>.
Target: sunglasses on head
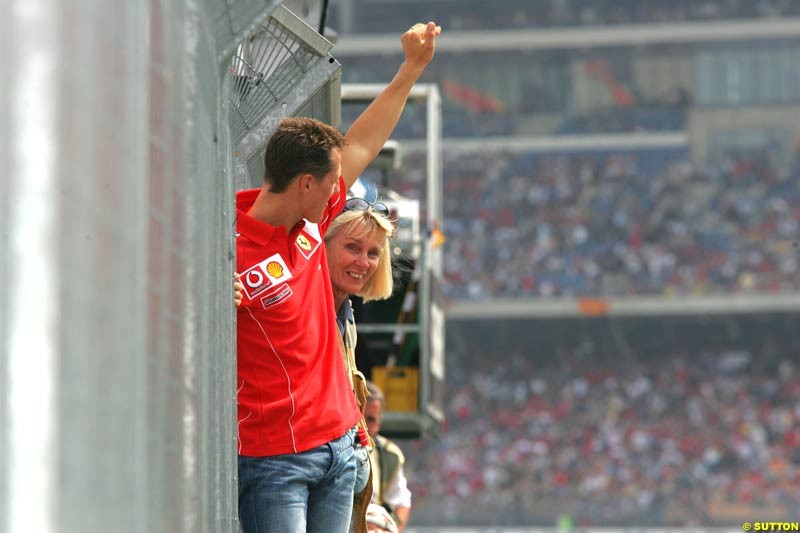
<point>359,204</point>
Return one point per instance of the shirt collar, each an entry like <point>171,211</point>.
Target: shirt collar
<point>252,228</point>
<point>344,314</point>
<point>261,232</point>
<point>345,311</point>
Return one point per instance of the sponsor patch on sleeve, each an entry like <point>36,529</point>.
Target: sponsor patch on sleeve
<point>308,240</point>
<point>268,273</point>
<point>276,295</point>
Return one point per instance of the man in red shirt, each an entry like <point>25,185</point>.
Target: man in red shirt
<point>297,410</point>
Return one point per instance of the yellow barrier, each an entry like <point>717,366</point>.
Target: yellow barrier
<point>400,386</point>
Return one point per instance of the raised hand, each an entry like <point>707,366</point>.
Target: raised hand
<point>419,43</point>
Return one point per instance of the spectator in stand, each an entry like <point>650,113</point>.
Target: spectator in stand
<point>390,483</point>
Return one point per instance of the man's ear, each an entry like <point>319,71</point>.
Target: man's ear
<point>304,182</point>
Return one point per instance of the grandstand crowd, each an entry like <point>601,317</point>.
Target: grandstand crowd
<point>527,225</point>
<point>666,430</point>
<point>622,223</point>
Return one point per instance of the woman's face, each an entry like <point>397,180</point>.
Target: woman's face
<point>352,261</point>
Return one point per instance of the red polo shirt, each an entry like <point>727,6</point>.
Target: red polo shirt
<point>293,394</point>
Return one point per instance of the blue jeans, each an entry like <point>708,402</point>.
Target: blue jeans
<point>362,468</point>
<point>305,492</point>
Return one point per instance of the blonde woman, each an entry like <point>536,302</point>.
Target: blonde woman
<point>359,263</point>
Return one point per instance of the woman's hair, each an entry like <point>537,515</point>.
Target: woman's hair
<point>361,223</point>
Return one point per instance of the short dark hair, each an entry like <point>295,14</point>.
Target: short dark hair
<point>299,146</point>
<point>375,393</point>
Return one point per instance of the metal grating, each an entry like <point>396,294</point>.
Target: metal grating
<point>326,104</point>
<point>269,66</point>
<point>232,21</point>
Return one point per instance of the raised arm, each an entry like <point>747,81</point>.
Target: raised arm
<point>372,128</point>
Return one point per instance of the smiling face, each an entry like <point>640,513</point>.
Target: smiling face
<point>352,260</point>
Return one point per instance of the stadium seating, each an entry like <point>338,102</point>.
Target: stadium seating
<point>644,222</point>
<point>699,428</point>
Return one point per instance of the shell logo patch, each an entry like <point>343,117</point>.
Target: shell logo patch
<point>274,269</point>
<point>267,273</point>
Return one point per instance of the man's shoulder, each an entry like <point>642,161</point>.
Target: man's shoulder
<point>257,232</point>
<point>389,445</point>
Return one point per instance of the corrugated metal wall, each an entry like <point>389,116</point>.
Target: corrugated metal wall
<point>117,352</point>
<point>118,358</point>
<point>119,348</point>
